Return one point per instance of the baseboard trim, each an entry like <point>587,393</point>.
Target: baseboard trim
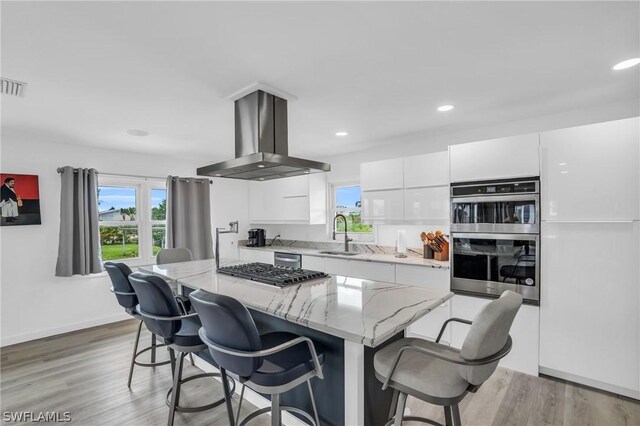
<point>618,390</point>
<point>40,334</point>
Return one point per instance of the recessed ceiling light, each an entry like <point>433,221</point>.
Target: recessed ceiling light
<point>626,64</point>
<point>261,166</point>
<point>444,108</point>
<point>342,134</point>
<point>137,132</point>
<point>218,174</point>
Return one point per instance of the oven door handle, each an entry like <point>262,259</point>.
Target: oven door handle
<point>479,236</point>
<point>496,198</point>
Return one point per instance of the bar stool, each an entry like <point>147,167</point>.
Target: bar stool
<point>272,363</point>
<point>442,375</point>
<point>126,296</point>
<point>173,255</point>
<point>161,314</point>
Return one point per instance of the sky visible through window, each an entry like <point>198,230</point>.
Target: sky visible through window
<point>116,197</point>
<point>123,197</point>
<point>347,196</point>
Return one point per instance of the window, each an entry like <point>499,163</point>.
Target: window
<point>346,201</point>
<point>132,217</point>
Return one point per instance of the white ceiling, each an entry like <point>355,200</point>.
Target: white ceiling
<point>96,69</point>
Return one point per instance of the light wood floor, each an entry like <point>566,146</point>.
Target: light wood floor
<point>85,373</point>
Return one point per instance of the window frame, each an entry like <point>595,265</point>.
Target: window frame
<point>143,187</point>
<point>333,210</point>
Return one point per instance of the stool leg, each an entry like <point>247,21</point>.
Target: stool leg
<point>240,404</point>
<point>447,416</point>
<point>135,351</point>
<point>313,404</point>
<point>172,357</point>
<point>175,392</point>
<point>394,402</point>
<point>227,395</point>
<point>456,415</point>
<point>153,350</point>
<point>402,401</point>
<point>191,359</point>
<point>275,410</point>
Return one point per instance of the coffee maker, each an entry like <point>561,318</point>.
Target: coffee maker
<point>257,237</point>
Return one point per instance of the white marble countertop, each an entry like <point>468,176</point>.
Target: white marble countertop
<point>361,311</point>
<point>411,259</point>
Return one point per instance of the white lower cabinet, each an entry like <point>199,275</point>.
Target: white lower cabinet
<point>373,271</point>
<point>589,316</point>
<point>252,255</point>
<point>336,266</point>
<point>428,326</point>
<point>524,332</point>
<point>315,263</point>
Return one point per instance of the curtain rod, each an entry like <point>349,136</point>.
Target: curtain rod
<point>199,180</point>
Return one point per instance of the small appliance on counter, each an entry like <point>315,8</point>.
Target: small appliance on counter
<point>257,238</point>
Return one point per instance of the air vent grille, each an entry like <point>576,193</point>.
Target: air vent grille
<point>12,87</point>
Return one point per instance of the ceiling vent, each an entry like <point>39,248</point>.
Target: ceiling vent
<point>12,87</point>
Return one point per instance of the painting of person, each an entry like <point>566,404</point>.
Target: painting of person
<point>19,200</point>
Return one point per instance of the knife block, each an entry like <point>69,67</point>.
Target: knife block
<point>428,253</point>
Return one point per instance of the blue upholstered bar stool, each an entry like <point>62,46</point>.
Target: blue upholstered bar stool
<point>442,375</point>
<point>119,274</point>
<point>272,363</point>
<point>162,316</point>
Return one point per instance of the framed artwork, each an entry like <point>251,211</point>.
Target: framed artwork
<point>19,200</point>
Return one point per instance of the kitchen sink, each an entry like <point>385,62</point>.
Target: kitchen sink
<point>340,253</point>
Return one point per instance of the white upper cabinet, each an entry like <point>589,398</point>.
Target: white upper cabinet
<point>382,206</point>
<point>591,173</point>
<point>300,199</point>
<point>381,175</point>
<point>427,204</point>
<point>426,170</point>
<point>513,157</point>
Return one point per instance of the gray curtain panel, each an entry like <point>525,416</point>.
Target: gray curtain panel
<point>189,216</point>
<point>79,245</point>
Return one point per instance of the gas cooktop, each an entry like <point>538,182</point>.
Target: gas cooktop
<point>279,276</point>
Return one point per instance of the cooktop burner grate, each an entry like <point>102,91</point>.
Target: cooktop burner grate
<point>279,276</point>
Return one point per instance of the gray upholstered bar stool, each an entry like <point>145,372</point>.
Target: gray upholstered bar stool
<point>442,375</point>
<point>162,316</point>
<point>271,363</point>
<point>120,286</point>
<point>173,255</point>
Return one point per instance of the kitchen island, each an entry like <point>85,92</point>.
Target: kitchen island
<point>352,318</point>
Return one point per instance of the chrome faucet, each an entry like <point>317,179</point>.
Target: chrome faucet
<point>346,236</point>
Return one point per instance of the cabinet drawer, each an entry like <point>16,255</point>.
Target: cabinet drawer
<point>421,276</point>
<point>314,263</point>
<point>373,271</point>
<point>337,267</point>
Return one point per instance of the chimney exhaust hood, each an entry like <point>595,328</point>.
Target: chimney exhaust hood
<point>261,143</point>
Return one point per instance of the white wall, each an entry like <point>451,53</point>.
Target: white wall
<point>34,302</point>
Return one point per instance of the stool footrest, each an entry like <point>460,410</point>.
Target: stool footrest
<point>214,404</point>
<point>149,364</point>
<point>414,419</point>
<point>282,408</point>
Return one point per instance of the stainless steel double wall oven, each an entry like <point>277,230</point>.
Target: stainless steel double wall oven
<point>495,233</point>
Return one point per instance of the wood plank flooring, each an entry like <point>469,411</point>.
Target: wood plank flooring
<point>85,373</point>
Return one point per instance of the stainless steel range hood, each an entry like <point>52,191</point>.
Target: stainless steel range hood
<point>261,143</point>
